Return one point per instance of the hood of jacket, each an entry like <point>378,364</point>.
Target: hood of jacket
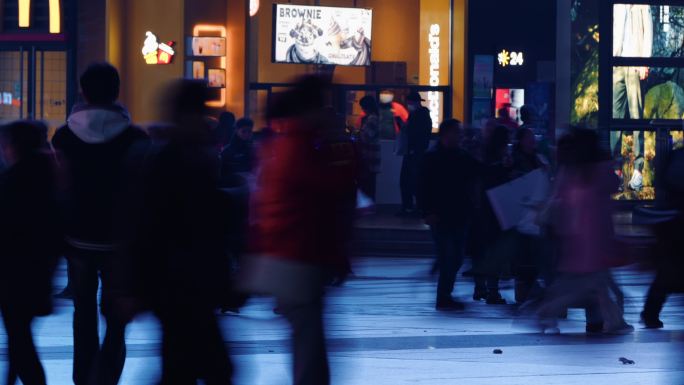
<point>98,124</point>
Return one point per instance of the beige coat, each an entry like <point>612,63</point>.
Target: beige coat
<point>632,30</point>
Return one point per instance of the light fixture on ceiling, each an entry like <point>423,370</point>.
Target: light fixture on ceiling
<point>24,13</point>
<point>253,7</point>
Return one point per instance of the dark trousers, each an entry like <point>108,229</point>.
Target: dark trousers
<point>486,284</point>
<point>367,183</point>
<point>408,180</point>
<point>308,341</point>
<point>23,358</point>
<point>95,364</point>
<point>192,346</point>
<point>657,295</point>
<point>450,245</point>
<point>526,266</point>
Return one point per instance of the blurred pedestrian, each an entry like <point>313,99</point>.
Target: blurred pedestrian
<point>238,169</point>
<point>530,244</point>
<point>669,261</point>
<point>369,136</point>
<point>415,139</point>
<point>528,117</point>
<point>587,250</point>
<point>225,129</point>
<point>525,157</point>
<point>97,151</point>
<point>180,266</point>
<point>31,242</point>
<point>302,219</point>
<point>505,119</point>
<point>489,243</point>
<point>238,156</point>
<point>392,115</point>
<point>447,195</point>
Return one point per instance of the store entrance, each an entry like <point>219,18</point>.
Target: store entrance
<point>33,85</point>
<point>345,101</point>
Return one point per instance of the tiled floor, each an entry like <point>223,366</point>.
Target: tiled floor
<point>383,329</point>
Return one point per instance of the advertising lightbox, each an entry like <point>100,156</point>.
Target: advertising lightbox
<point>322,35</point>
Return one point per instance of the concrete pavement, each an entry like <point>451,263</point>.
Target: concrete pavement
<point>383,329</point>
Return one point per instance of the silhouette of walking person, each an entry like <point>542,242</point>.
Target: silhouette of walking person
<point>30,241</point>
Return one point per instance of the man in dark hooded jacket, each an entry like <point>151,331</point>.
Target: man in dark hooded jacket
<point>416,140</point>
<point>97,152</point>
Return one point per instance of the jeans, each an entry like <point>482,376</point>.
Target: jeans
<point>408,180</point>
<point>23,358</point>
<point>626,93</point>
<point>308,341</point>
<point>192,346</point>
<point>450,244</point>
<point>616,144</point>
<point>95,364</point>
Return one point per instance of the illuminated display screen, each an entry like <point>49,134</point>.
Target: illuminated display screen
<point>509,100</point>
<point>642,30</point>
<point>321,35</point>
<point>634,153</point>
<point>677,139</point>
<point>207,46</point>
<point>216,78</point>
<point>647,93</point>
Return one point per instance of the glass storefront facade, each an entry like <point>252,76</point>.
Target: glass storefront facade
<point>37,61</point>
<point>410,49</point>
<point>625,81</point>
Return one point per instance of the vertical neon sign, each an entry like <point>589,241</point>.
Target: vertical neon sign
<point>433,97</point>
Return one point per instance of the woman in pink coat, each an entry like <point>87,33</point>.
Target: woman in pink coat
<point>582,222</point>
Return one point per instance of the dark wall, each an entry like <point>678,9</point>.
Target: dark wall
<point>526,25</point>
<point>204,12</point>
<point>91,33</point>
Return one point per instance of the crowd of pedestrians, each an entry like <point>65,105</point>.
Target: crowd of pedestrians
<point>194,214</point>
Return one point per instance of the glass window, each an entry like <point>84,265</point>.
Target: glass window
<point>677,139</point>
<point>13,85</point>
<point>641,30</point>
<point>634,153</point>
<point>648,93</point>
<point>584,63</point>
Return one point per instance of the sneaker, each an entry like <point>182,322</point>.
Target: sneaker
<point>651,322</point>
<point>449,304</point>
<point>551,331</point>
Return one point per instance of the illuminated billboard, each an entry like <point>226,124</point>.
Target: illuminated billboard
<point>321,35</point>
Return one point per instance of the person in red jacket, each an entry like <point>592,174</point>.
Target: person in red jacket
<point>302,215</point>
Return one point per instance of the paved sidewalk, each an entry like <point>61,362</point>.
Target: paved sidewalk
<point>383,329</point>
